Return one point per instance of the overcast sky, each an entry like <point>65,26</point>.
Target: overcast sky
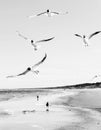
<point>68,60</point>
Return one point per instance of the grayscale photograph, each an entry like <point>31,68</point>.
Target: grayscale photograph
<point>50,64</point>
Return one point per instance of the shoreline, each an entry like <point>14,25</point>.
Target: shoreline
<point>68,110</point>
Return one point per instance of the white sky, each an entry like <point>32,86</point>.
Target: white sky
<point>68,61</point>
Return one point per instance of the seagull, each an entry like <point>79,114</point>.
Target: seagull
<point>86,38</point>
<point>48,13</point>
<point>96,76</point>
<point>34,43</point>
<point>30,69</point>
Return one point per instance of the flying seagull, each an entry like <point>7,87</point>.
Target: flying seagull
<point>96,76</point>
<point>86,38</point>
<point>32,69</point>
<point>48,13</point>
<point>34,43</point>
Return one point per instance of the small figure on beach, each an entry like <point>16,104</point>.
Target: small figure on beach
<point>47,105</point>
<point>37,97</point>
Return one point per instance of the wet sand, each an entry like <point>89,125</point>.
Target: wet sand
<point>69,110</point>
<point>87,104</point>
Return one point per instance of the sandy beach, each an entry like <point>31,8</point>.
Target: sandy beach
<point>68,110</point>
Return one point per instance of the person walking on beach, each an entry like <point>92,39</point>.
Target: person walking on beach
<point>37,97</point>
<point>47,106</point>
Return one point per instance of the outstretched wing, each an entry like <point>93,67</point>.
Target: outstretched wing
<point>45,40</point>
<point>57,13</point>
<point>54,13</point>
<point>22,35</point>
<point>23,73</point>
<point>11,76</point>
<point>41,13</point>
<point>78,35</point>
<point>32,16</point>
<point>94,34</point>
<point>40,61</point>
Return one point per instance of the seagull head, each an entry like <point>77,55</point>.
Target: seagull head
<point>47,10</point>
<point>32,41</point>
<point>28,68</point>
